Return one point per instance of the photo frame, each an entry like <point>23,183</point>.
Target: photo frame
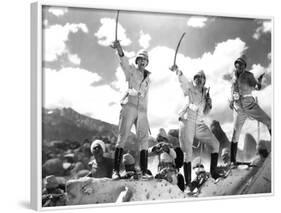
<point>71,51</point>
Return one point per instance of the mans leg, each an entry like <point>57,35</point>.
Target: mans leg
<point>257,113</point>
<point>204,135</point>
<point>239,120</point>
<point>142,129</point>
<point>127,118</point>
<point>186,135</point>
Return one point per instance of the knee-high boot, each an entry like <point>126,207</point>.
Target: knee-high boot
<point>233,152</point>
<point>143,163</point>
<point>117,161</point>
<point>187,173</point>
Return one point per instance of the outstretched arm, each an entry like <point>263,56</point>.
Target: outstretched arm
<point>124,62</point>
<point>184,82</point>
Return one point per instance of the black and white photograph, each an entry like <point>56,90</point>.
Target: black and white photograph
<point>148,106</point>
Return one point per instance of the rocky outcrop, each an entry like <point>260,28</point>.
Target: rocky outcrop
<point>261,182</point>
<point>52,167</point>
<point>93,191</point>
<point>242,180</point>
<point>249,147</point>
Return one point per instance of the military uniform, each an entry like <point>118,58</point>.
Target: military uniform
<point>191,120</point>
<point>244,104</point>
<point>134,105</point>
<point>192,125</point>
<point>133,112</point>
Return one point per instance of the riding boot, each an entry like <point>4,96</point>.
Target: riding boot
<point>213,166</point>
<point>117,161</point>
<point>143,164</point>
<point>233,152</point>
<point>187,173</point>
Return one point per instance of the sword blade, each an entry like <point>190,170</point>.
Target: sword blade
<point>116,26</point>
<point>177,49</point>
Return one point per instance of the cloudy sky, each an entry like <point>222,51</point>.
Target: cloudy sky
<point>82,71</point>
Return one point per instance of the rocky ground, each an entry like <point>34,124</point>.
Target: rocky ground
<point>242,180</point>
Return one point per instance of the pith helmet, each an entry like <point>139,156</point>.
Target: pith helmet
<point>201,74</point>
<point>242,59</point>
<point>142,54</point>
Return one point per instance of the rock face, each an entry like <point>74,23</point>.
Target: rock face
<point>249,146</point>
<point>261,183</point>
<point>93,191</point>
<point>243,180</point>
<point>52,167</point>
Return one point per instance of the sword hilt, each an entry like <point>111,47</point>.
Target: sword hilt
<point>113,46</point>
<point>172,68</point>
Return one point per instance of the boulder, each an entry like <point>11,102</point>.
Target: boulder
<point>103,190</point>
<point>53,167</point>
<point>249,146</point>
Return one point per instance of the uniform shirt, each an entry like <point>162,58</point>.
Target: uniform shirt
<point>244,84</point>
<point>137,80</point>
<point>193,96</point>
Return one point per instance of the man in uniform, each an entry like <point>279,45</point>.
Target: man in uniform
<point>134,108</point>
<point>192,124</point>
<point>243,103</point>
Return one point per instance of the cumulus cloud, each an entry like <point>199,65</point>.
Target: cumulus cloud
<point>57,11</point>
<point>144,40</point>
<point>71,87</point>
<point>266,27</point>
<point>74,58</point>
<point>106,33</point>
<point>197,21</point>
<point>55,37</point>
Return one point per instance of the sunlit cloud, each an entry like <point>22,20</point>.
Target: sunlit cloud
<point>55,38</point>
<point>197,21</point>
<point>144,40</point>
<point>266,27</point>
<point>72,87</point>
<point>57,11</point>
<point>106,33</point>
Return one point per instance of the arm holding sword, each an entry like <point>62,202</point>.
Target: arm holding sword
<point>185,84</point>
<point>116,45</point>
<point>124,62</point>
<point>208,102</point>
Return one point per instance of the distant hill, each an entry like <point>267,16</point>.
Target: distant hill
<point>66,124</point>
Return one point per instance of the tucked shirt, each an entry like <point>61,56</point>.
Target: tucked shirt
<point>195,99</point>
<point>137,80</point>
<point>245,83</point>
